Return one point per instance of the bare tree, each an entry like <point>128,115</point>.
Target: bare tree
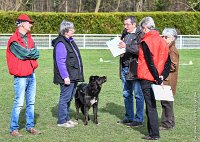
<point>97,5</point>
<point>118,4</point>
<point>191,4</point>
<point>79,5</point>
<point>11,5</point>
<point>66,6</point>
<point>139,5</point>
<point>18,4</point>
<point>149,5</point>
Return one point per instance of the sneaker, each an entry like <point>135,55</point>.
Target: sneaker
<point>124,122</point>
<point>66,125</point>
<point>33,131</point>
<point>72,122</point>
<point>134,124</point>
<point>150,138</point>
<point>15,133</point>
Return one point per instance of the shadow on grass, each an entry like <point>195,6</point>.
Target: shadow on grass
<point>114,109</point>
<point>54,112</point>
<point>22,118</point>
<point>118,111</point>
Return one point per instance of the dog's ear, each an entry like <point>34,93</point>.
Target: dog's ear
<point>104,77</point>
<point>102,80</point>
<point>93,78</point>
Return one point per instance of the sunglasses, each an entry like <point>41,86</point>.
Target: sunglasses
<point>165,37</point>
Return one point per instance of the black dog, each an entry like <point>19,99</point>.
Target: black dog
<point>87,95</point>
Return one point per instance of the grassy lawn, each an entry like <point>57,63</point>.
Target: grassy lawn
<point>111,107</point>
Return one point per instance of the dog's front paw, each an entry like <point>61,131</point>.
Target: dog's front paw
<point>96,122</point>
<point>85,123</point>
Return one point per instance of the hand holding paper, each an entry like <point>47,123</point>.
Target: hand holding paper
<point>122,44</point>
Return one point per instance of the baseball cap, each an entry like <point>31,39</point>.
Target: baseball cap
<point>24,18</point>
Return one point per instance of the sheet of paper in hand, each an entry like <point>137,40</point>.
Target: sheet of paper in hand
<point>113,45</point>
<point>162,92</point>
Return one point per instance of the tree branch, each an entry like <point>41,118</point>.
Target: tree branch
<point>187,5</point>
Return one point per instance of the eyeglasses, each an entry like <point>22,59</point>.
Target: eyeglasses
<point>72,30</point>
<point>127,24</point>
<point>165,37</point>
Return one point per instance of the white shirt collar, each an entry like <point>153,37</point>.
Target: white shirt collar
<point>134,30</point>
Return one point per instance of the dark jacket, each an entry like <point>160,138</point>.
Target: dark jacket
<point>130,57</point>
<point>75,71</point>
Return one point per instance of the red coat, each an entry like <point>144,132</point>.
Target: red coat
<point>16,66</point>
<point>159,50</point>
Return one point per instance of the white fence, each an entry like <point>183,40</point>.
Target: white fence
<point>98,41</point>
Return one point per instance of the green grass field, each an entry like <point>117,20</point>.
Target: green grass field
<point>111,107</point>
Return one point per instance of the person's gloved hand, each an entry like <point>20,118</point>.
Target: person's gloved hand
<point>160,80</point>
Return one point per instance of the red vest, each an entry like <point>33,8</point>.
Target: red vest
<point>159,50</point>
<point>16,66</point>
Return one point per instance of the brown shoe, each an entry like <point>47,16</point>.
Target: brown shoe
<point>33,131</point>
<point>15,133</point>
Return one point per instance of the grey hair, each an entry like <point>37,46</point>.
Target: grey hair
<point>170,32</point>
<point>148,22</point>
<point>65,26</point>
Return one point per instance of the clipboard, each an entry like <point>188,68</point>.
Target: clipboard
<point>162,92</point>
<point>113,45</point>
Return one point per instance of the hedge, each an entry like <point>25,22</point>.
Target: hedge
<point>101,23</point>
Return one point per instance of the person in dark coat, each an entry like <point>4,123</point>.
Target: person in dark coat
<point>131,38</point>
<point>68,71</point>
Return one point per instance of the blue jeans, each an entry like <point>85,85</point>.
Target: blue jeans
<point>66,95</point>
<point>128,87</point>
<point>23,86</point>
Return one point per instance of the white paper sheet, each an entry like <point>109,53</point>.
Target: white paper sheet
<point>162,92</point>
<point>114,47</point>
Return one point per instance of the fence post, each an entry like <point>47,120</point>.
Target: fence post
<point>49,41</point>
<point>84,41</point>
<point>181,41</point>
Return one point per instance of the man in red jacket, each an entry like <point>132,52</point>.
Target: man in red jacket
<point>153,61</point>
<point>21,55</point>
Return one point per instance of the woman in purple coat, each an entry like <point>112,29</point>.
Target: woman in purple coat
<point>68,71</point>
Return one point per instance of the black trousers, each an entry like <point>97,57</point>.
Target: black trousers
<point>151,110</point>
<point>167,118</point>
